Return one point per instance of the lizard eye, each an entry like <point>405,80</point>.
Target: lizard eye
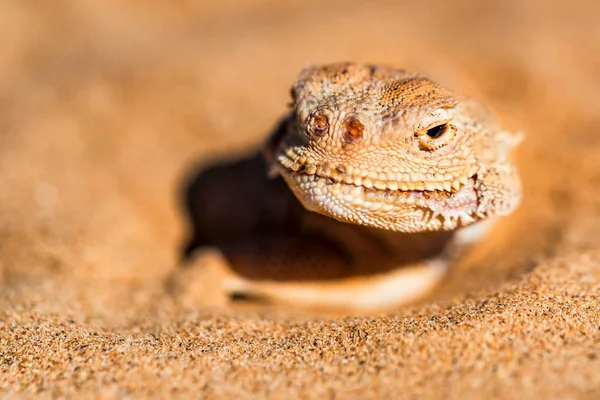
<point>436,137</point>
<point>437,131</point>
<point>319,125</point>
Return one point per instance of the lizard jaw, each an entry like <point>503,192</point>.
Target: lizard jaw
<point>295,163</point>
<point>397,210</point>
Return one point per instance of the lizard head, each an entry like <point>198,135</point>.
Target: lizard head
<point>391,149</point>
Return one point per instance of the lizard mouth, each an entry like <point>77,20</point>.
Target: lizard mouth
<point>380,181</point>
<point>354,201</point>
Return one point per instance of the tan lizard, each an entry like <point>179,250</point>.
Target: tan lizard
<point>398,173</point>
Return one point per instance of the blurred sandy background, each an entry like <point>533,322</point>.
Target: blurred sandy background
<point>106,108</point>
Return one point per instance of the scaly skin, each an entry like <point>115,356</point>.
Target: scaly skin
<point>356,149</point>
<point>401,171</point>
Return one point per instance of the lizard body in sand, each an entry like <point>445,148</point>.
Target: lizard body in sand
<point>395,175</point>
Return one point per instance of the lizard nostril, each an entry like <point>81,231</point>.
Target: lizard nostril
<point>319,125</point>
<point>353,130</point>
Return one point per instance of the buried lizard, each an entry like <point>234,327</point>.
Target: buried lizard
<point>379,173</point>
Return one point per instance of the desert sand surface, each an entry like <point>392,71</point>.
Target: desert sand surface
<point>106,108</point>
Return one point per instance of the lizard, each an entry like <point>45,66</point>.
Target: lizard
<point>380,171</point>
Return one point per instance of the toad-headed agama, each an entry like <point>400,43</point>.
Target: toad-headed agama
<point>394,177</point>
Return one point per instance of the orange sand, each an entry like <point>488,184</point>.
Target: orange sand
<point>107,107</point>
